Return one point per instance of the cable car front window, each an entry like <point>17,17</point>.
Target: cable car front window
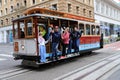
<point>16,30</point>
<point>29,27</point>
<point>22,29</point>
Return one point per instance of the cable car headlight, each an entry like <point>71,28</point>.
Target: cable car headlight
<point>23,47</point>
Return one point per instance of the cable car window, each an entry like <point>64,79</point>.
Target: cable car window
<point>93,30</point>
<point>22,29</point>
<point>97,30</point>
<point>87,29</point>
<point>16,30</point>
<point>81,27</point>
<point>29,27</point>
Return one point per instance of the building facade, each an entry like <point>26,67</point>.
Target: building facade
<point>107,13</point>
<point>11,9</point>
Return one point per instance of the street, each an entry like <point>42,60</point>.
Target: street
<point>12,70</point>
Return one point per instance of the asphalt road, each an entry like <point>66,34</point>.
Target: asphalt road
<point>115,76</point>
<point>12,70</point>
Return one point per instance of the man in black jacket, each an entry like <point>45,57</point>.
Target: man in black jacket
<point>76,39</point>
<point>56,36</point>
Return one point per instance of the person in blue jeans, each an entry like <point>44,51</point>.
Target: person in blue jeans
<point>76,39</point>
<point>42,48</point>
<point>56,36</point>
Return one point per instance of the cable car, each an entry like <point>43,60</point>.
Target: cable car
<point>26,29</point>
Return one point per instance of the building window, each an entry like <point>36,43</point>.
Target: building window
<point>84,12</point>
<point>18,16</point>
<point>0,3</point>
<point>69,7</point>
<point>110,11</point>
<point>6,10</point>
<point>6,21</point>
<point>18,5</point>
<point>11,9</point>
<point>83,1</point>
<point>102,9</point>
<point>77,9</point>
<point>33,1</point>
<point>97,6</point>
<point>106,10</point>
<point>12,19</point>
<point>2,22</point>
<point>54,7</point>
<point>5,2</point>
<point>25,3</point>
<point>89,2</point>
<point>90,13</point>
<point>1,13</point>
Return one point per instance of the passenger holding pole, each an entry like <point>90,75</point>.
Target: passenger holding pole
<point>56,36</point>
<point>76,39</point>
<point>42,48</point>
<point>65,40</point>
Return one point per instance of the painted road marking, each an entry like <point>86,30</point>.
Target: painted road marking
<point>6,55</point>
<point>2,59</point>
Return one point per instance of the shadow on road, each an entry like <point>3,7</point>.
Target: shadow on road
<point>52,65</point>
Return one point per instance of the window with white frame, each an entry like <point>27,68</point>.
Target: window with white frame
<point>102,8</point>
<point>97,6</point>
<point>107,10</point>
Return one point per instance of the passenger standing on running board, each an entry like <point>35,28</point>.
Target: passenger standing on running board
<point>56,36</point>
<point>42,48</point>
<point>65,40</point>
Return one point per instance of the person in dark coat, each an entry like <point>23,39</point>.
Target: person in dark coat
<point>56,36</point>
<point>76,39</point>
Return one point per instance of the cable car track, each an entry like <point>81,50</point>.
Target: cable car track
<point>6,74</point>
<point>100,67</point>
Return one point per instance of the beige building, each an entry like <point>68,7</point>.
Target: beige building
<point>11,9</point>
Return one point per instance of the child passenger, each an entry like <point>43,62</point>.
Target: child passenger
<point>42,48</point>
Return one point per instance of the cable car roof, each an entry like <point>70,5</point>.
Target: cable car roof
<point>49,16</point>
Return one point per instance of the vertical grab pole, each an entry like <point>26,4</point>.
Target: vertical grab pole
<point>59,23</point>
<point>36,36</point>
<point>49,50</point>
<point>13,30</point>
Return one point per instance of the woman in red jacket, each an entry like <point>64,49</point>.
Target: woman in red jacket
<point>65,39</point>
